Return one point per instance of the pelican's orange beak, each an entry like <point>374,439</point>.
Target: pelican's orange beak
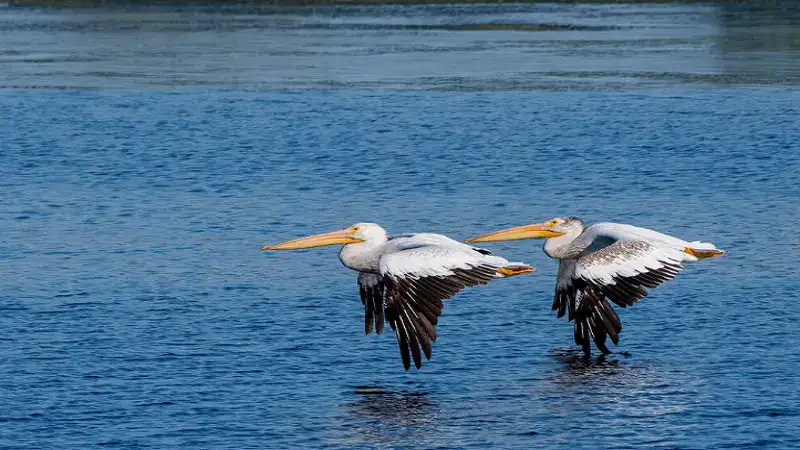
<point>318,240</point>
<point>538,230</point>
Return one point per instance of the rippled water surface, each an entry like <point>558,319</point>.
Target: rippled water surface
<point>147,154</point>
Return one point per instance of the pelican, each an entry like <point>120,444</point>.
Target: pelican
<point>406,277</point>
<point>611,261</point>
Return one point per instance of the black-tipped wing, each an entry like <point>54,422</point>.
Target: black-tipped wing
<point>593,316</point>
<point>621,272</point>
<point>418,280</point>
<point>624,270</point>
<point>371,288</point>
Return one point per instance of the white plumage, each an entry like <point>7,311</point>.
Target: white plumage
<point>606,261</point>
<point>434,260</point>
<point>405,278</point>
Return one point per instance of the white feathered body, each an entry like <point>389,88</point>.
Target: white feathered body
<point>613,261</point>
<point>417,255</point>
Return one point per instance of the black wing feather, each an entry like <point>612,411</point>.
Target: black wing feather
<point>414,304</point>
<point>371,288</point>
<point>586,299</point>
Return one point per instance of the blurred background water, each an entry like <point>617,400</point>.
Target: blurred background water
<point>147,153</point>
<point>518,47</point>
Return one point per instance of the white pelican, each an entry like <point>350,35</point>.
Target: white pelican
<point>605,261</point>
<point>408,276</point>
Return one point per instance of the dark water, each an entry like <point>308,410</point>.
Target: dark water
<point>137,309</point>
<point>442,47</point>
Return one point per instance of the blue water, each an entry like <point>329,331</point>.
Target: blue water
<point>138,311</point>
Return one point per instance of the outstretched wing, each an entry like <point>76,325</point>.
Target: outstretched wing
<point>621,272</point>
<point>624,270</point>
<point>418,279</point>
<point>592,314</point>
<point>371,288</point>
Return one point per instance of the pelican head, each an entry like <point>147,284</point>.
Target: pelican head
<point>360,232</point>
<point>556,227</point>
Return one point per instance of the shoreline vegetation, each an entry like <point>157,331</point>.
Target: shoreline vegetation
<point>245,4</point>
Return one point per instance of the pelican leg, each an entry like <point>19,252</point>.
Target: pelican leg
<point>703,254</point>
<point>511,271</point>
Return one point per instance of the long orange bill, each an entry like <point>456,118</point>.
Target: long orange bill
<point>534,231</point>
<point>317,240</point>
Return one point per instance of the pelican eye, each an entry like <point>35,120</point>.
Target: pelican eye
<point>354,229</point>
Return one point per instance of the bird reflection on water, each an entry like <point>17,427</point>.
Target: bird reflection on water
<point>616,374</point>
<point>631,390</point>
<point>385,416</point>
<point>576,365</point>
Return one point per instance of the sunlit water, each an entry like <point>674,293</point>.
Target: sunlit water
<point>146,155</point>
